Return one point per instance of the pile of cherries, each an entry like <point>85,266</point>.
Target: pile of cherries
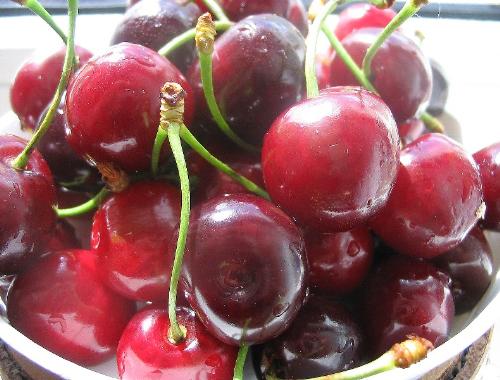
<point>372,231</point>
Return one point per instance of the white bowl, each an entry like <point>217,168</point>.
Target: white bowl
<point>467,328</point>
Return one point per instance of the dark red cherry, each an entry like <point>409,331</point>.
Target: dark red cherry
<point>131,234</point>
<point>331,161</point>
<point>36,81</point>
<point>153,23</point>
<point>68,168</point>
<point>470,266</point>
<point>400,71</point>
<point>258,72</point>
<point>113,105</point>
<point>359,16</point>
<point>339,262</point>
<point>63,237</point>
<point>488,160</point>
<point>61,304</point>
<point>145,352</point>
<point>323,339</point>
<point>26,200</point>
<point>244,268</point>
<point>410,130</point>
<point>436,201</point>
<point>405,296</point>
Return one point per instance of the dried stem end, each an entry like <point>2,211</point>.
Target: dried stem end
<point>114,177</point>
<point>172,97</point>
<point>205,34</point>
<point>382,4</point>
<point>410,351</point>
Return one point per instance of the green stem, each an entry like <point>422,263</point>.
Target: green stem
<point>38,9</point>
<point>176,333</point>
<point>432,124</point>
<point>208,90</point>
<point>216,10</point>
<point>240,362</point>
<point>161,136</point>
<point>188,36</point>
<point>22,159</point>
<point>409,9</point>
<point>84,208</point>
<point>188,137</point>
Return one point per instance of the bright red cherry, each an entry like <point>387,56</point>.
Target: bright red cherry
<point>131,234</point>
<point>113,105</point>
<point>436,201</point>
<point>339,262</point>
<point>348,146</point>
<point>153,23</point>
<point>359,16</point>
<point>470,266</point>
<point>26,200</point>
<point>258,72</point>
<point>488,160</point>
<point>411,130</point>
<point>400,71</point>
<point>36,81</point>
<point>144,351</point>
<point>405,297</point>
<point>323,339</point>
<point>61,304</point>
<point>244,268</point>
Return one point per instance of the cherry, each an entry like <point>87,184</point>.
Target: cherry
<point>244,268</point>
<point>323,339</point>
<point>26,200</point>
<point>488,160</point>
<point>68,168</point>
<point>339,262</point>
<point>404,297</point>
<point>145,352</point>
<point>348,146</point>
<point>406,91</point>
<point>113,105</point>
<point>60,304</point>
<point>257,73</point>
<point>131,234</point>
<point>36,81</point>
<point>411,130</point>
<point>63,237</point>
<point>153,23</point>
<point>470,266</point>
<point>436,200</point>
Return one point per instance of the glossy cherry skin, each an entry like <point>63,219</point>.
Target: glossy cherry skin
<point>405,296</point>
<point>339,262</point>
<point>26,200</point>
<point>488,160</point>
<point>36,81</point>
<point>411,130</point>
<point>360,16</point>
<point>470,267</point>
<point>145,352</point>
<point>244,268</point>
<point>257,73</point>
<point>153,23</point>
<point>113,105</point>
<point>436,200</point>
<point>322,340</point>
<point>61,304</point>
<point>400,71</point>
<point>131,234</point>
<point>348,146</point>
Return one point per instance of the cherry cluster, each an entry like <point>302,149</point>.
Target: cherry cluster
<point>331,218</point>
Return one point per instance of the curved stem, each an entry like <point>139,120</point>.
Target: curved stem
<point>161,136</point>
<point>432,124</point>
<point>22,159</point>
<point>38,9</point>
<point>176,333</point>
<point>216,10</point>
<point>84,208</point>
<point>188,36</point>
<point>188,137</point>
<point>240,362</point>
<point>409,9</point>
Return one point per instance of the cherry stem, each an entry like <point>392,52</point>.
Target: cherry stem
<point>189,138</point>
<point>38,9</point>
<point>161,136</point>
<point>84,208</point>
<point>205,37</point>
<point>240,362</point>
<point>216,9</point>
<point>409,9</point>
<point>21,160</point>
<point>189,35</point>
